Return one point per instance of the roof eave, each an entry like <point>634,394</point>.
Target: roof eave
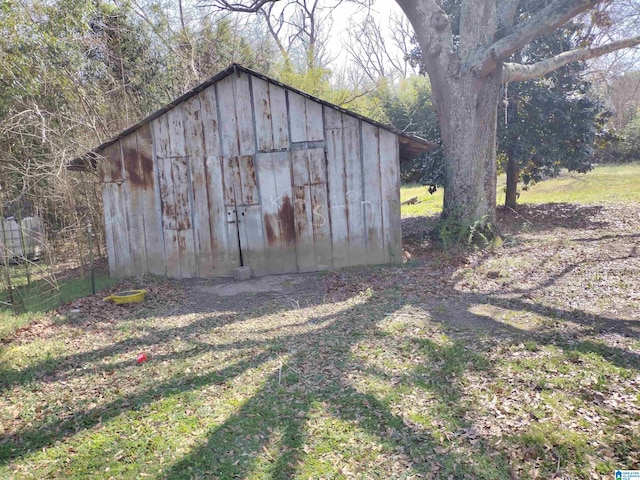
<point>414,146</point>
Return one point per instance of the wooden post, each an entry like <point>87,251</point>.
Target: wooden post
<point>25,253</point>
<point>91,269</point>
<point>5,259</point>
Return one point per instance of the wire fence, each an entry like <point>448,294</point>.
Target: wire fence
<point>40,264</point>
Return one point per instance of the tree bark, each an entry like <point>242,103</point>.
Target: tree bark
<point>513,173</point>
<point>467,111</point>
<point>467,104</point>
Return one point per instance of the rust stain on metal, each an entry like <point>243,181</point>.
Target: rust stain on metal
<point>146,157</point>
<point>252,169</point>
<point>287,223</point>
<point>248,189</point>
<point>301,213</point>
<point>112,167</point>
<point>116,167</point>
<point>181,188</point>
<point>272,238</point>
<point>182,245</point>
<point>130,156</point>
<point>146,170</point>
<point>267,108</point>
<point>167,202</point>
<point>249,181</point>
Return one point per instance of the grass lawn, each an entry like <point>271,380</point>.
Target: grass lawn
<point>520,361</point>
<point>604,184</point>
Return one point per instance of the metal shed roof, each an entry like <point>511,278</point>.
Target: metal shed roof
<point>410,145</point>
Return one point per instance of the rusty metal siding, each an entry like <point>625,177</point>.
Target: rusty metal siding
<point>119,265</point>
<point>302,210</point>
<point>354,194</point>
<point>111,169</point>
<point>116,211</point>
<point>372,194</point>
<point>305,118</point>
<point>313,121</point>
<point>150,196</point>
<point>337,188</point>
<point>244,211</point>
<point>390,179</point>
<point>297,117</point>
<point>271,116</point>
<point>229,141</point>
<point>169,210</point>
<point>320,209</point>
<point>279,117</point>
<point>224,247</point>
<point>109,215</point>
<point>274,176</point>
<point>244,114</point>
<point>194,149</point>
<point>236,116</point>
<point>131,191</point>
<point>313,231</point>
<point>262,109</point>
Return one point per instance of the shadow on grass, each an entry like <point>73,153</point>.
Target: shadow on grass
<point>273,426</point>
<point>547,216</point>
<point>316,376</point>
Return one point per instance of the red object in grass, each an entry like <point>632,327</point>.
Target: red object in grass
<point>142,357</point>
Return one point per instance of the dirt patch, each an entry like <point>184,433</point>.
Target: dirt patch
<point>268,284</point>
<point>224,294</point>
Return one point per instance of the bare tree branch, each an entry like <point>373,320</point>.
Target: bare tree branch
<point>275,28</point>
<point>546,20</point>
<point>368,47</point>
<point>514,72</point>
<point>252,6</point>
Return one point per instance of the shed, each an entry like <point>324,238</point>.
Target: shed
<point>246,171</point>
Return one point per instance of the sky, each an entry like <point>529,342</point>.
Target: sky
<point>381,10</point>
<point>349,13</point>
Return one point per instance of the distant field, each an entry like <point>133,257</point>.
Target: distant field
<point>605,184</point>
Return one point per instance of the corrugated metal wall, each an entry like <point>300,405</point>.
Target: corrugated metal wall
<point>247,172</point>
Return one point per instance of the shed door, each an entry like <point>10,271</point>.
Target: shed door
<point>295,212</point>
<point>244,217</point>
<point>273,173</point>
<point>277,209</point>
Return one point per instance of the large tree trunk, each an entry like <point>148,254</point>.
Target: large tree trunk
<point>467,110</point>
<point>466,97</point>
<point>513,173</point>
